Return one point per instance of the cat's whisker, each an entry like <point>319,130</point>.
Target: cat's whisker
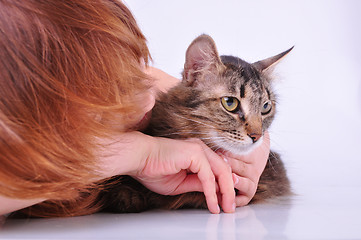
<point>205,138</point>
<point>182,133</point>
<point>196,121</point>
<point>273,141</point>
<point>270,162</point>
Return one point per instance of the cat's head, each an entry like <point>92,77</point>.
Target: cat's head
<point>236,103</point>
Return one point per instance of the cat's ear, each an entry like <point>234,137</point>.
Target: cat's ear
<point>268,63</point>
<point>202,58</point>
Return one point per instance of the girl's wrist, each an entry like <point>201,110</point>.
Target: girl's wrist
<point>125,154</point>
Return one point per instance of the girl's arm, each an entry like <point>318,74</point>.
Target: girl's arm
<point>8,205</point>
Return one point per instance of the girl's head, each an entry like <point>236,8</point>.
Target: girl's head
<point>70,71</point>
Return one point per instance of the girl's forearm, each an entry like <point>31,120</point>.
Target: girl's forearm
<point>8,205</point>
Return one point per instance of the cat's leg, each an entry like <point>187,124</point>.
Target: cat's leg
<point>123,194</point>
<point>181,201</point>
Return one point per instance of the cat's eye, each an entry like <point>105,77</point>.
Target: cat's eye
<point>266,108</point>
<point>231,104</point>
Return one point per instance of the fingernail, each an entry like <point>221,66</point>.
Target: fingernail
<point>225,159</point>
<point>235,179</point>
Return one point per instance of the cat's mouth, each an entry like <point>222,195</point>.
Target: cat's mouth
<point>242,145</point>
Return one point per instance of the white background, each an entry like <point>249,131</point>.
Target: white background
<point>317,129</point>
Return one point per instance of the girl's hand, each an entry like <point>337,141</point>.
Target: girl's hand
<point>178,166</point>
<point>247,170</point>
<point>171,167</point>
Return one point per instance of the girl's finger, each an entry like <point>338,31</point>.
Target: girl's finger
<point>207,179</point>
<point>242,200</point>
<point>191,183</point>
<point>199,164</point>
<point>246,189</point>
<point>223,173</point>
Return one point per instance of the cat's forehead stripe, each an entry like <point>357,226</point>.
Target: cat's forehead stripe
<point>242,92</point>
<point>268,93</point>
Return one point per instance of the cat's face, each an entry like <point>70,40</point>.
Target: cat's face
<point>235,102</point>
<point>239,104</point>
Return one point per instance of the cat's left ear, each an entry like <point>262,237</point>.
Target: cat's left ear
<point>202,59</point>
<point>268,63</point>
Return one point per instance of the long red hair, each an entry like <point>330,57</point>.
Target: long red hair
<point>67,70</point>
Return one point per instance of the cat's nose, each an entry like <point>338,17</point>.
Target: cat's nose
<point>255,136</point>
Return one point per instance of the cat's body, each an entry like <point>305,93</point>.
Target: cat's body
<point>224,101</point>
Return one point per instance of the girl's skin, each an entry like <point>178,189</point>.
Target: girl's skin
<point>164,165</point>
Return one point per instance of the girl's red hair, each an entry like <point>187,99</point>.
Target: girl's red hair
<point>67,70</point>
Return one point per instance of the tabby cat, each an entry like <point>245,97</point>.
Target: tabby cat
<point>222,100</point>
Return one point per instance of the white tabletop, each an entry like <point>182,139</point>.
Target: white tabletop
<point>323,214</point>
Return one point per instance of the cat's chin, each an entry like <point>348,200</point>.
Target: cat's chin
<point>240,149</point>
